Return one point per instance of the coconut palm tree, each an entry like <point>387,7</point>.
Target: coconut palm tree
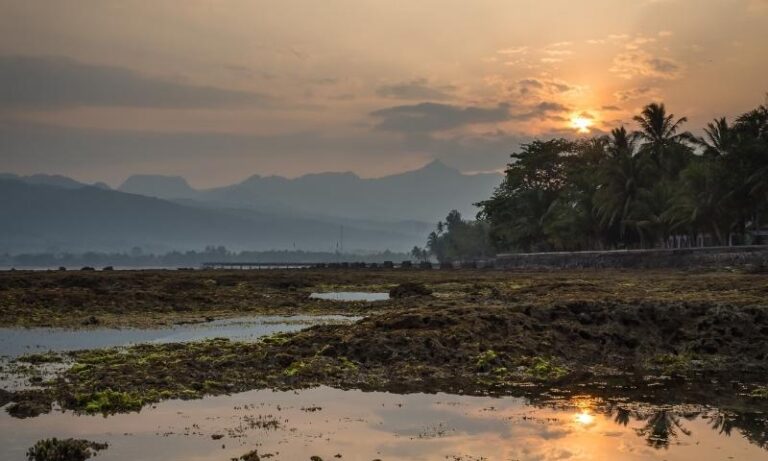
<point>719,138</point>
<point>622,178</point>
<point>621,142</point>
<point>754,123</point>
<point>663,141</point>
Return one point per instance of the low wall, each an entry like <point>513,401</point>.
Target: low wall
<point>679,258</point>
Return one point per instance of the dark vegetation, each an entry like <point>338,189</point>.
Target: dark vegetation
<point>154,297</point>
<point>658,186</point>
<point>64,450</point>
<point>142,298</point>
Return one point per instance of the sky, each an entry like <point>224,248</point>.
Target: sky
<point>217,91</point>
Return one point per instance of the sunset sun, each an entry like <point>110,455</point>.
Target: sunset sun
<point>581,123</point>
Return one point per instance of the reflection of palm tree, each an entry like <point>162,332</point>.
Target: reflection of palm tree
<point>662,427</point>
<point>622,416</point>
<point>754,427</point>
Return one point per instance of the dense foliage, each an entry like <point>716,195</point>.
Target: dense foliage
<point>458,239</point>
<point>658,186</point>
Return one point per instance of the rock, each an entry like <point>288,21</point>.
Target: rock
<point>92,320</point>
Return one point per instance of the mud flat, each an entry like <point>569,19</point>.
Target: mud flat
<point>664,346</point>
<point>661,348</point>
<point>82,299</point>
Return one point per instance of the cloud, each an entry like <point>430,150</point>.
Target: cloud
<point>415,89</point>
<point>635,93</point>
<point>211,158</point>
<point>546,110</point>
<point>639,63</point>
<point>428,117</point>
<point>542,86</point>
<point>57,82</point>
<point>610,108</point>
<point>514,50</point>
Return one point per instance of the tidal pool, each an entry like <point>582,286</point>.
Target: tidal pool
<point>357,425</point>
<point>18,341</point>
<point>351,296</point>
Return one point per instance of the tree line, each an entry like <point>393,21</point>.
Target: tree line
<point>136,257</point>
<point>658,186</point>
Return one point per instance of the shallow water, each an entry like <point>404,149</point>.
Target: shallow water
<point>351,296</point>
<point>365,426</point>
<point>18,341</point>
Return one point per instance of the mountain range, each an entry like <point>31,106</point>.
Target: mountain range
<point>160,213</point>
<point>426,194</point>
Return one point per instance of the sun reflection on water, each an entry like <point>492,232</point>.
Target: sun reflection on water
<point>584,417</point>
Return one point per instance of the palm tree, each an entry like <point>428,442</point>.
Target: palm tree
<point>662,140</point>
<point>754,123</point>
<point>622,177</point>
<point>719,140</point>
<point>621,143</point>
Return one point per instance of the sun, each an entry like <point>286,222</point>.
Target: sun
<point>584,417</point>
<point>581,123</point>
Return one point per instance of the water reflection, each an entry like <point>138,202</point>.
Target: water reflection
<point>358,425</point>
<point>753,426</point>
<point>584,417</point>
<point>351,296</point>
<point>18,341</point>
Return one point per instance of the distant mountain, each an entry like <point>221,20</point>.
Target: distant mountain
<point>161,213</point>
<point>50,180</point>
<point>153,185</point>
<point>37,218</point>
<point>425,195</point>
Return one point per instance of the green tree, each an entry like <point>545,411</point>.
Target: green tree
<point>662,139</point>
<point>520,207</point>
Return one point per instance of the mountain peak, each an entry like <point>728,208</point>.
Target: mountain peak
<point>437,168</point>
<point>156,185</point>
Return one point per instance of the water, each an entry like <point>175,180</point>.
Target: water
<point>372,425</point>
<point>15,341</point>
<point>355,296</point>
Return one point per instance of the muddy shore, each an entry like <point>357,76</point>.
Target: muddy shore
<point>662,335</point>
<point>82,299</point>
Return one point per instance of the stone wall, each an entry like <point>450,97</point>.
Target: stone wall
<point>738,256</point>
